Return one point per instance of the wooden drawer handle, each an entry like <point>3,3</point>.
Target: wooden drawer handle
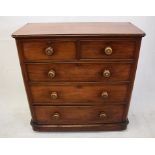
<point>102,115</point>
<point>108,50</point>
<point>104,94</point>
<point>51,73</point>
<point>54,95</point>
<point>49,51</point>
<point>56,115</point>
<point>106,73</point>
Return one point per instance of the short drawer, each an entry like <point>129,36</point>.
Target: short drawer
<point>79,72</point>
<point>107,49</point>
<point>78,115</point>
<point>40,50</point>
<point>81,94</point>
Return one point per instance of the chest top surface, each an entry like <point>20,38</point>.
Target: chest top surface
<point>78,29</point>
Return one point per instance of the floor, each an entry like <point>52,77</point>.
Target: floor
<point>15,115</point>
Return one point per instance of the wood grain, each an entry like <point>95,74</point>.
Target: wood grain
<point>96,49</point>
<point>78,114</point>
<point>78,29</point>
<point>35,50</point>
<point>72,72</point>
<point>79,94</point>
<point>79,62</point>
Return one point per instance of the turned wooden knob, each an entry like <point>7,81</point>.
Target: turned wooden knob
<point>106,73</point>
<point>104,94</point>
<point>54,95</point>
<point>56,115</point>
<point>49,51</point>
<point>108,50</point>
<point>51,73</point>
<point>102,115</point>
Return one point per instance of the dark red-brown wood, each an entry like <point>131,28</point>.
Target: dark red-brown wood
<point>78,114</point>
<point>79,72</point>
<point>78,29</point>
<point>79,61</point>
<point>34,50</point>
<point>79,94</point>
<point>95,49</point>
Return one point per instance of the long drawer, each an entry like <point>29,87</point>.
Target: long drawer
<point>79,72</point>
<point>82,94</point>
<point>78,115</point>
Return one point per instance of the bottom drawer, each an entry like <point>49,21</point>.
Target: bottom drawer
<point>78,114</point>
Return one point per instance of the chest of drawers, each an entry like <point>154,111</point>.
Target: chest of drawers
<point>78,76</point>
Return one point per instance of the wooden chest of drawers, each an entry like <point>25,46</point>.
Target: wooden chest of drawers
<point>78,76</point>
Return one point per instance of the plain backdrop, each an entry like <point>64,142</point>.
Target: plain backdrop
<point>14,110</point>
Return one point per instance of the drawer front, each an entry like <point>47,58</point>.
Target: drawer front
<point>107,49</point>
<point>82,94</point>
<point>79,72</point>
<point>78,115</point>
<point>42,50</point>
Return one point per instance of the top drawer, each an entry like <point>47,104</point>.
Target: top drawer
<point>104,49</point>
<point>40,50</point>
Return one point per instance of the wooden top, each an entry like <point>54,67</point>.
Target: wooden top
<point>78,29</point>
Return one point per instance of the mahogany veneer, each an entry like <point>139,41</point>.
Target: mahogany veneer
<point>78,76</point>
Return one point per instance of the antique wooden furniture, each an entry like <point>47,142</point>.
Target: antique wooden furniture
<point>78,76</point>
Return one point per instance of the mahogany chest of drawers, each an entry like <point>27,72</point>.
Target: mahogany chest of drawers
<point>78,76</point>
